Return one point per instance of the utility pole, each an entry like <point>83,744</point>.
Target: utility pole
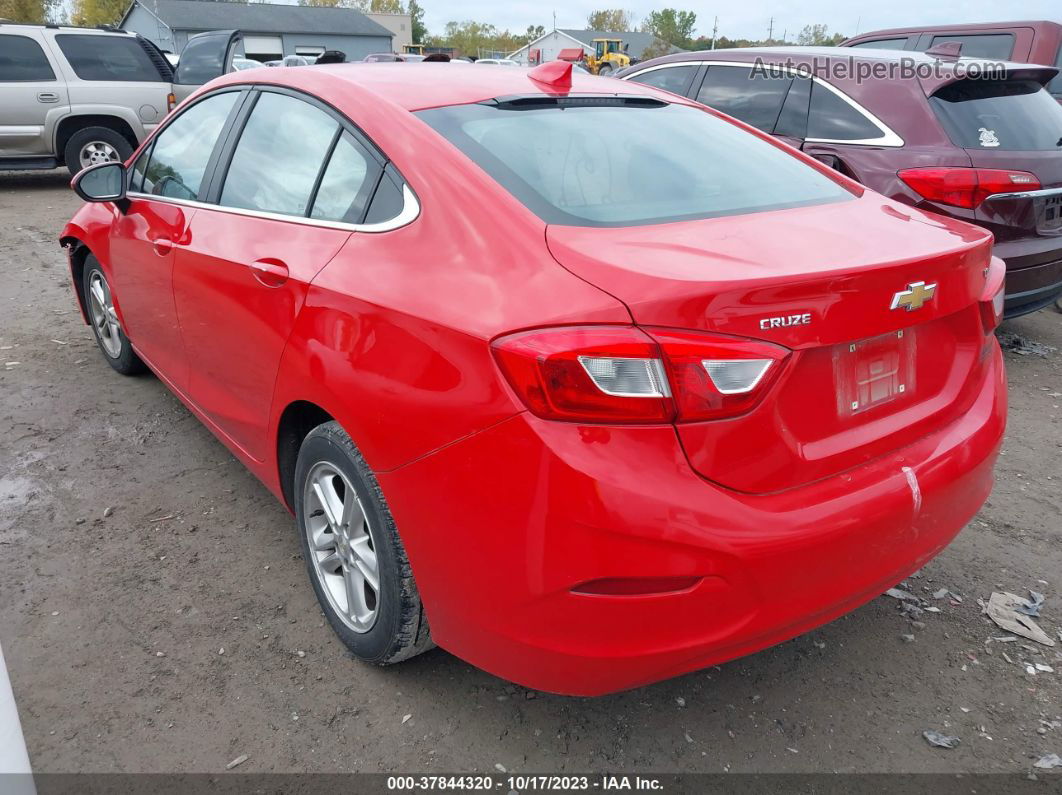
<point>554,20</point>
<point>715,32</point>
<point>785,32</point>
<point>770,30</point>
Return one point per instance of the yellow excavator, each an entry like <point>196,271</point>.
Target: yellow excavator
<point>610,55</point>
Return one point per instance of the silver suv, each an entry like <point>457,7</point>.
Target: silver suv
<point>80,96</point>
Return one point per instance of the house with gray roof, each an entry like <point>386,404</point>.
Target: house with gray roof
<point>548,47</point>
<point>270,30</point>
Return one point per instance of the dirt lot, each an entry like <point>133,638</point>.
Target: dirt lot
<point>156,616</point>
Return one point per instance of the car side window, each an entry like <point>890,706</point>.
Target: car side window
<point>136,176</point>
<point>752,95</point>
<point>883,44</point>
<point>347,182</point>
<point>98,57</point>
<point>181,152</point>
<point>1055,86</point>
<point>995,46</point>
<point>22,60</point>
<point>388,200</point>
<point>793,120</point>
<point>833,119</point>
<point>675,79</point>
<point>279,155</point>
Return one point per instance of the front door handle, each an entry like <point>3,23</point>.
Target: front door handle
<point>270,272</point>
<point>47,96</point>
<point>162,246</point>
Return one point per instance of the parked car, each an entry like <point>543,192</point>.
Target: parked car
<point>382,57</point>
<point>1038,42</point>
<point>602,409</point>
<point>497,62</point>
<point>983,151</point>
<point>82,96</point>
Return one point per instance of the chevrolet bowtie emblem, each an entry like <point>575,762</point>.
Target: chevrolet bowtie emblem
<point>914,297</point>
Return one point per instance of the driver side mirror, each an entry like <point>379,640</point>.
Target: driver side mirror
<point>101,183</point>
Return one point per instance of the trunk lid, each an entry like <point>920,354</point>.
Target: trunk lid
<point>862,379</point>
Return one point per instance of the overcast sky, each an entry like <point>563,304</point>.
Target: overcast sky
<point>746,19</point>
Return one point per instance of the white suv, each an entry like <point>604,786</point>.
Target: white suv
<point>80,96</point>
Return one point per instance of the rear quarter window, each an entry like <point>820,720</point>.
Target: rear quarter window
<point>1016,115</point>
<point>120,58</point>
<point>22,60</point>
<point>659,162</point>
<point>833,119</point>
<point>1055,86</point>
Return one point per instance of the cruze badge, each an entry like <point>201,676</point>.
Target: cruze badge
<point>785,320</point>
<point>914,297</point>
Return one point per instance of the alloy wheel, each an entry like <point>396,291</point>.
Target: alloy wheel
<point>96,152</point>
<point>104,318</point>
<point>340,539</point>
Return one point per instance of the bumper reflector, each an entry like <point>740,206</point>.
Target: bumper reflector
<point>636,586</point>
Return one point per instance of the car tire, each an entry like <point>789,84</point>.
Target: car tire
<point>348,539</point>
<point>93,145</point>
<point>106,328</point>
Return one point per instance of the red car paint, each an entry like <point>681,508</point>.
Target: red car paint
<point>580,557</point>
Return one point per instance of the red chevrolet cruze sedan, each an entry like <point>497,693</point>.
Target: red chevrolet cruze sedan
<point>599,384</point>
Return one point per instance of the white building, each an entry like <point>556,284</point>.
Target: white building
<point>548,47</point>
<point>399,24</point>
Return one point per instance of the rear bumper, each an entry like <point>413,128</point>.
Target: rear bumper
<point>1034,273</point>
<point>543,506</point>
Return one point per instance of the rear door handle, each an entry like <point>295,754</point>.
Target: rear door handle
<point>47,96</point>
<point>270,272</point>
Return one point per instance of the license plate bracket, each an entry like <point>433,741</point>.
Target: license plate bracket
<point>1049,215</point>
<point>873,372</point>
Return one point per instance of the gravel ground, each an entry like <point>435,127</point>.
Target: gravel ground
<point>156,616</point>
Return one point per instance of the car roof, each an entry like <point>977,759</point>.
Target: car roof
<point>1039,24</point>
<point>803,54</point>
<point>103,31</point>
<point>417,86</point>
<point>944,70</point>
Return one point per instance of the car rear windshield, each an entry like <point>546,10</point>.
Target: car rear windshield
<point>1016,115</point>
<point>614,162</point>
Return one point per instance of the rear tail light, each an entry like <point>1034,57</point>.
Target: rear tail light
<point>966,187</point>
<point>713,376</point>
<point>622,374</point>
<point>993,296</point>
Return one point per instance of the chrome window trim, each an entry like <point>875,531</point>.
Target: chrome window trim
<point>694,64</point>
<point>1026,194</point>
<point>409,213</point>
<point>887,138</point>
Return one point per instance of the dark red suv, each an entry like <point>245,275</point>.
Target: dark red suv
<point>976,140</point>
<point>1036,41</point>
